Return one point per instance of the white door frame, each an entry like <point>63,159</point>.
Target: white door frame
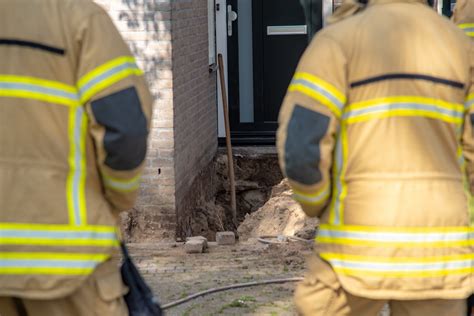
<point>221,39</point>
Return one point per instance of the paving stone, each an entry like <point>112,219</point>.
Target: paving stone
<point>225,238</point>
<point>204,239</point>
<point>194,246</point>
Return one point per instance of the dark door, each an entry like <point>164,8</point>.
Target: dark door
<point>267,54</point>
<point>448,7</point>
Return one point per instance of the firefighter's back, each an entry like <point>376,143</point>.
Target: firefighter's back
<point>397,226</point>
<point>401,142</point>
<point>74,113</point>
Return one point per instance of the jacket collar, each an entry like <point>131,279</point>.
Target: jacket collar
<point>392,1</point>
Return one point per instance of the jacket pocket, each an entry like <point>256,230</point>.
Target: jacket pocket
<point>110,286</point>
<point>320,270</point>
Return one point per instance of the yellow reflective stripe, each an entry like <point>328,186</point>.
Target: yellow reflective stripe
<point>54,255</point>
<point>345,150</point>
<point>38,89</point>
<point>404,244</point>
<point>404,106</point>
<point>58,227</point>
<point>320,90</point>
<point>322,83</point>
<point>468,28</point>
<point>398,113</point>
<point>122,185</point>
<point>47,271</point>
<point>432,259</point>
<point>469,102</point>
<point>82,179</point>
<point>316,198</point>
<point>39,82</point>
<point>336,216</point>
<point>378,229</point>
<point>442,265</point>
<point>305,90</point>
<point>53,263</point>
<point>57,242</point>
<point>406,99</point>
<point>106,75</point>
<point>336,172</point>
<point>75,185</point>
<point>398,274</point>
<point>72,168</point>
<point>54,235</point>
<point>391,236</point>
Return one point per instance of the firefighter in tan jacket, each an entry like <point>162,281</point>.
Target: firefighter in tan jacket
<point>376,138</point>
<point>74,115</point>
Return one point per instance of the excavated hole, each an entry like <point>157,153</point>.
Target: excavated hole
<point>255,173</point>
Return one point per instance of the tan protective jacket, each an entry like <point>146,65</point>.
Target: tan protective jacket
<point>74,113</point>
<point>463,16</point>
<point>373,135</point>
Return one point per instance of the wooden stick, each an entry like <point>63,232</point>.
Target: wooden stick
<point>230,160</point>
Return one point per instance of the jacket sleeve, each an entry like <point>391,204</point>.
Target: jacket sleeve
<point>463,16</point>
<point>468,135</point>
<point>118,106</point>
<point>309,122</point>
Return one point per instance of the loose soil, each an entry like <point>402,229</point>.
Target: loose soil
<point>280,215</point>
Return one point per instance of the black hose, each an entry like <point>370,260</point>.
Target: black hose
<point>229,287</point>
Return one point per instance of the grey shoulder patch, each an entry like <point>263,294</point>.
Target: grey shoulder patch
<point>302,152</point>
<point>125,128</point>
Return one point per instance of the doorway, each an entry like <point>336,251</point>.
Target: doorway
<point>265,40</point>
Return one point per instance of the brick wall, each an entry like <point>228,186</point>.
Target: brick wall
<point>146,27</point>
<point>195,99</point>
<point>169,39</point>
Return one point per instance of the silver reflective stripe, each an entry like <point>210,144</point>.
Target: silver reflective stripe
<point>60,235</point>
<point>403,267</point>
<point>402,106</point>
<point>27,87</point>
<point>397,237</point>
<point>336,207</point>
<point>468,104</point>
<point>320,90</point>
<point>468,29</point>
<point>79,118</point>
<point>119,185</point>
<point>49,263</point>
<point>104,76</point>
<point>316,199</point>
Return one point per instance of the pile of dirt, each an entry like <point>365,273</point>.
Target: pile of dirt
<point>255,176</point>
<point>280,215</point>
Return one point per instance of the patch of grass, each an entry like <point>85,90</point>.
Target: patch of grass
<point>285,268</point>
<point>273,314</point>
<point>238,303</point>
<point>247,299</point>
